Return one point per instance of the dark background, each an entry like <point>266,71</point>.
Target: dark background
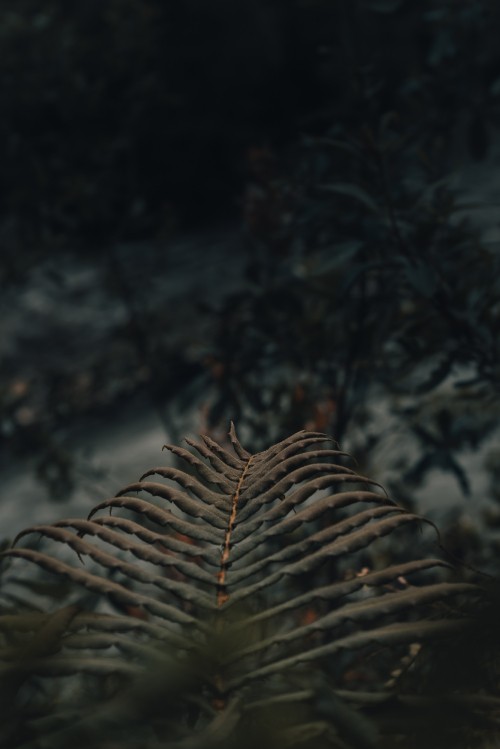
<point>316,138</point>
<point>121,117</point>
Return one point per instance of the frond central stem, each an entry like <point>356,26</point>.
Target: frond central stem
<point>222,594</point>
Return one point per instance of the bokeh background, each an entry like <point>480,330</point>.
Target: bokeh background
<point>281,212</point>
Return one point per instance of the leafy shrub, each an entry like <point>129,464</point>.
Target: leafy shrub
<point>366,282</point>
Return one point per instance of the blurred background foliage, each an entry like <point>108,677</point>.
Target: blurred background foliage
<point>328,131</point>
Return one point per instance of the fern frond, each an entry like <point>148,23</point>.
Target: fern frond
<point>251,567</point>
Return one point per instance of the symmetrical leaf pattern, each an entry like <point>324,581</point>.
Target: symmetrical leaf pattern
<point>245,572</point>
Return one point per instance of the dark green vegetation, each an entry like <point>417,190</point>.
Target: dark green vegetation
<point>255,601</point>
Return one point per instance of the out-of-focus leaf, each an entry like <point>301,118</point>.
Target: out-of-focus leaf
<point>335,257</point>
<point>436,377</point>
<point>352,191</point>
<point>429,194</point>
